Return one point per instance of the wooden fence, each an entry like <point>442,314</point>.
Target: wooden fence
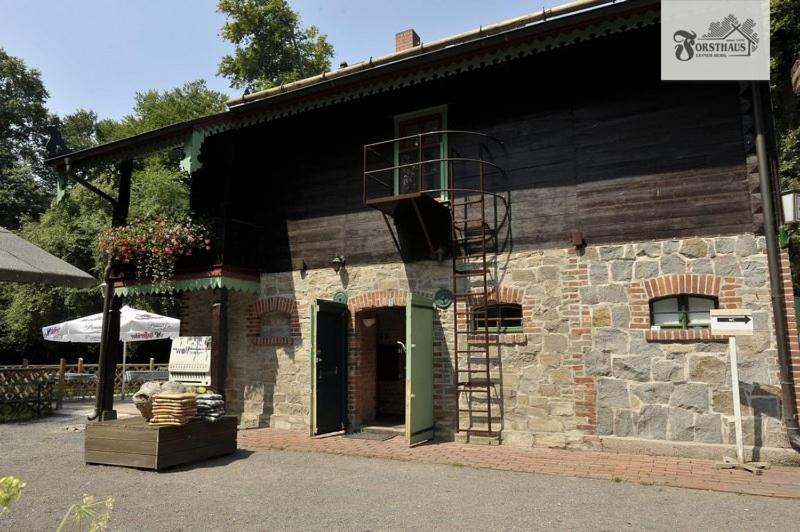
<point>28,390</point>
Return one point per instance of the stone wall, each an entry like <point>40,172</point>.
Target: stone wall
<point>586,365</point>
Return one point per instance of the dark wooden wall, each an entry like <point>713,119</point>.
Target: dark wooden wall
<point>593,141</point>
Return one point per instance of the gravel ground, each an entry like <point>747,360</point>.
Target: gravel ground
<point>282,490</point>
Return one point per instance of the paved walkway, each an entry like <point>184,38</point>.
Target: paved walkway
<point>781,482</point>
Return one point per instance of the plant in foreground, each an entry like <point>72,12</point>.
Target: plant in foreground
<point>10,490</point>
<point>89,514</point>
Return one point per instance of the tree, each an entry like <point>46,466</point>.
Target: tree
<point>785,50</point>
<point>23,120</point>
<point>69,229</point>
<point>272,47</point>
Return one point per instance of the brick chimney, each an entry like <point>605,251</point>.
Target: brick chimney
<point>405,40</point>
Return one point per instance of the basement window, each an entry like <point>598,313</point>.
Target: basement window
<point>499,318</point>
<point>682,311</point>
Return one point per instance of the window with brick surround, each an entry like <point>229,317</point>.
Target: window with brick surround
<point>682,311</point>
<point>276,324</point>
<point>498,318</point>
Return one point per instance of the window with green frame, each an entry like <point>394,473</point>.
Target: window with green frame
<point>682,311</point>
<point>498,318</point>
<point>424,144</point>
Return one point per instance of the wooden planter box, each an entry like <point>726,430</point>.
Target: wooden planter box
<point>131,442</point>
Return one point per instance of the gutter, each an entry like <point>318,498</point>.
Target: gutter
<point>775,275</point>
<point>446,42</point>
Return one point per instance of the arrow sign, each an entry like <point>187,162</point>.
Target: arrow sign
<point>731,322</point>
<point>734,319</point>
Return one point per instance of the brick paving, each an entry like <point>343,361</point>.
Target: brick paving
<point>783,482</point>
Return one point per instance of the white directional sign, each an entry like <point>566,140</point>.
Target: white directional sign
<point>732,322</point>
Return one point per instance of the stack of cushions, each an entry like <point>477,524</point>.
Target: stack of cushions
<point>173,409</point>
<point>210,406</point>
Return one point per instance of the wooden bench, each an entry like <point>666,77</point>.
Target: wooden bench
<point>131,442</point>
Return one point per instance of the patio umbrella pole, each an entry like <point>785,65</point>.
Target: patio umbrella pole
<point>124,361</point>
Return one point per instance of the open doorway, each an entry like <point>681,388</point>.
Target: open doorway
<point>378,383</point>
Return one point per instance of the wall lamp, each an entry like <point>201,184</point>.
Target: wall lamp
<point>338,263</point>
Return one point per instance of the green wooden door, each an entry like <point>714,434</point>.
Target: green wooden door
<point>328,366</point>
<point>419,369</point>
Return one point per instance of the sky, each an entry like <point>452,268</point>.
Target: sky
<point>96,54</point>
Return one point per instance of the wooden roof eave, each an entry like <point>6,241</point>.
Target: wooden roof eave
<point>490,50</point>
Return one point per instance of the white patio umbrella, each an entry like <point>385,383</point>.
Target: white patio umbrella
<point>134,326</point>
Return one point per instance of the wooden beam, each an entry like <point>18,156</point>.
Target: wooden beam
<point>109,338</point>
<point>219,339</point>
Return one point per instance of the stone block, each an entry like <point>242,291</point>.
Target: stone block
<point>562,376</point>
<point>645,269</point>
<point>708,369</point>
<point>545,424</point>
<point>653,392</point>
<point>755,273</point>
<point>727,265</point>
<point>694,248</point>
<point>636,368</point>
<point>611,340</point>
<point>597,362</point>
<point>620,316</point>
<point>671,246</point>
<point>549,390</point>
<point>673,264</point>
<point>724,245</point>
<point>611,252</point>
<point>588,295</point>
<point>681,424</point>
<point>746,246</point>
<point>652,422</point>
<point>547,273</point>
<point>611,293</point>
<point>601,317</point>
<point>650,249</point>
<point>722,401</point>
<point>708,428</point>
<point>612,393</point>
<point>621,271</point>
<point>550,360</point>
<point>691,396</point>
<point>550,440</point>
<point>623,424</point>
<point>598,272</point>
<point>562,408</point>
<point>605,421</point>
<point>555,343</point>
<point>702,266</point>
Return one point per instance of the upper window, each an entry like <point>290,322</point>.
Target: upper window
<point>419,157</point>
<point>498,318</point>
<point>682,311</point>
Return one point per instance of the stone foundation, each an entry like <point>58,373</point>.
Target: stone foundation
<point>586,364</point>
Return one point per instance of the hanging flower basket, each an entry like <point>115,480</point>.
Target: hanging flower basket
<point>154,246</point>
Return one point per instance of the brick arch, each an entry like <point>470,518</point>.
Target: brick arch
<point>640,293</point>
<point>267,305</point>
<point>503,295</point>
<point>377,299</point>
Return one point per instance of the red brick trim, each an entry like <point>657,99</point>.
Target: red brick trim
<point>377,299</point>
<point>640,293</point>
<point>267,305</point>
<point>791,325</point>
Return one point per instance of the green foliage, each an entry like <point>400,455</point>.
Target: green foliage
<point>10,490</point>
<point>23,115</point>
<point>153,109</point>
<point>271,45</point>
<point>88,515</point>
<point>21,196</point>
<point>23,120</point>
<point>69,229</point>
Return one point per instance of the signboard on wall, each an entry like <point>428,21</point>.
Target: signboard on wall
<point>732,322</point>
<point>190,360</point>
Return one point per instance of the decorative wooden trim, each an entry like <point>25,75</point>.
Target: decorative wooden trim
<point>640,293</point>
<point>267,305</point>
